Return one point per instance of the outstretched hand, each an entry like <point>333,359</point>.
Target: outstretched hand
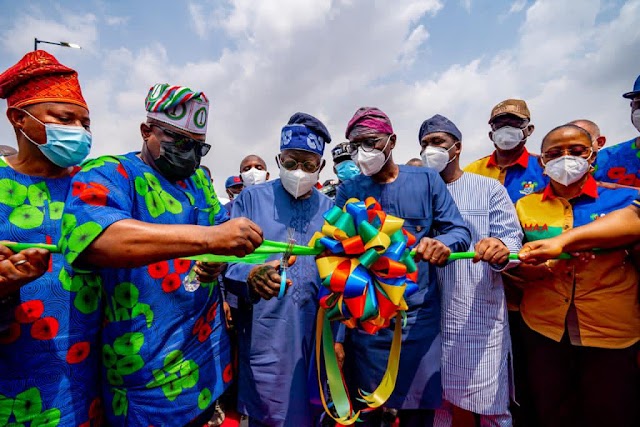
<point>238,237</point>
<point>18,269</point>
<point>540,251</point>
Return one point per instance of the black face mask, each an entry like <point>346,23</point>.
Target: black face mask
<point>175,164</point>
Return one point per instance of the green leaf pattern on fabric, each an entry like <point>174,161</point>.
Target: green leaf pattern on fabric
<point>176,374</point>
<point>26,407</point>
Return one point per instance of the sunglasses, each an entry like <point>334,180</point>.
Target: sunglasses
<point>574,150</point>
<point>290,164</point>
<point>184,143</point>
<point>368,144</point>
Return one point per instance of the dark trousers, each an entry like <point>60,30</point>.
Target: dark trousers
<point>582,386</point>
<point>522,411</point>
<point>407,418</point>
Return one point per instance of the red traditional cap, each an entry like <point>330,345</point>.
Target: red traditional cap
<point>39,77</point>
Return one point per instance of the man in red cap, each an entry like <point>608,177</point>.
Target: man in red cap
<point>48,354</point>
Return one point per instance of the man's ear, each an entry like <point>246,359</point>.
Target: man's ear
<point>529,130</point>
<point>145,130</point>
<point>267,176</point>
<point>392,141</point>
<point>491,135</point>
<point>458,148</point>
<point>600,141</point>
<point>322,165</point>
<point>16,117</point>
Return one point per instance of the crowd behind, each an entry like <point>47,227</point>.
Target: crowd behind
<point>116,326</point>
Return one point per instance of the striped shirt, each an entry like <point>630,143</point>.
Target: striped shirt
<point>475,328</point>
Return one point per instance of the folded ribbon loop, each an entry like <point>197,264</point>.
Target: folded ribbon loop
<point>367,271</point>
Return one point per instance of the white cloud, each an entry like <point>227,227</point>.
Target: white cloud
<point>517,6</point>
<point>116,21</point>
<point>331,57</point>
<point>410,48</point>
<point>199,18</point>
<point>467,5</point>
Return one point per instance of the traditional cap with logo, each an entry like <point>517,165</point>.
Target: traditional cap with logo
<point>233,181</point>
<point>304,132</point>
<point>635,92</point>
<point>39,77</point>
<point>178,106</point>
<point>517,107</point>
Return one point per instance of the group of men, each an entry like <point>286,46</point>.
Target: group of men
<point>117,325</point>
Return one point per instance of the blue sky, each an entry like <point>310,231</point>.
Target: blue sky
<point>261,61</point>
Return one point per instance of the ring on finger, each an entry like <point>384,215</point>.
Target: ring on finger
<point>17,263</point>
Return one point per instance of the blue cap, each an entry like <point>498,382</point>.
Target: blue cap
<point>304,132</point>
<point>232,181</point>
<point>439,123</point>
<point>635,92</point>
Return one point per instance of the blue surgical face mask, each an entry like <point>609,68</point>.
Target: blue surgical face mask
<point>347,170</point>
<point>66,145</point>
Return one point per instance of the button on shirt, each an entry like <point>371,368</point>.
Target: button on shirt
<point>597,300</point>
<point>523,177</point>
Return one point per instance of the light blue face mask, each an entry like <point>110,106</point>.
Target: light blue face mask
<point>347,170</point>
<point>66,145</point>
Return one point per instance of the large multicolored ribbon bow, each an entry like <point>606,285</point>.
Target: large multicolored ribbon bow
<point>367,271</point>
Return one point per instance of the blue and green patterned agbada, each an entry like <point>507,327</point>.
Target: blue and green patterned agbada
<point>48,330</point>
<point>165,351</point>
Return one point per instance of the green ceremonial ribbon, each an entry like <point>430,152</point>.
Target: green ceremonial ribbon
<point>262,252</point>
<point>17,247</point>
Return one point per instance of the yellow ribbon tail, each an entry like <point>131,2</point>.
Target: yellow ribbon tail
<point>381,394</point>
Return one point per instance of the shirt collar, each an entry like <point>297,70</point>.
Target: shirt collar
<point>523,160</point>
<point>590,188</point>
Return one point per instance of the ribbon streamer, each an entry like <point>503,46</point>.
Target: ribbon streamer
<point>262,252</point>
<point>367,271</point>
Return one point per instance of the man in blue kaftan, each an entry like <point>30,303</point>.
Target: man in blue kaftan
<point>276,335</point>
<point>419,196</point>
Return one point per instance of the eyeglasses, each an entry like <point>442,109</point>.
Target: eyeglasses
<point>290,164</point>
<point>184,143</point>
<point>368,144</point>
<point>574,150</point>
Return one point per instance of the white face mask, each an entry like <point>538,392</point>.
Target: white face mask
<point>507,137</point>
<point>253,176</point>
<point>298,182</point>
<point>635,118</point>
<point>567,169</point>
<point>371,162</point>
<point>436,157</point>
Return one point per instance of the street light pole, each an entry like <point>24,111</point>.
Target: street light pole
<point>65,44</point>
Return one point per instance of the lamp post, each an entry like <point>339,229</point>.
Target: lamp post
<point>65,44</point>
